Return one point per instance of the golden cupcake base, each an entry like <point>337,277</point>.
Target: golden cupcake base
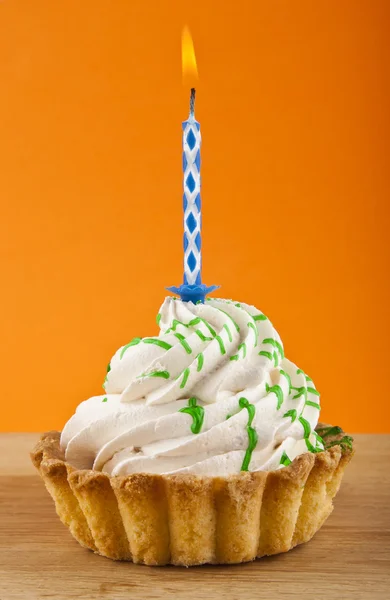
<point>191,520</point>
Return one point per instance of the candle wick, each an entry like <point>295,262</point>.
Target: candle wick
<point>192,102</point>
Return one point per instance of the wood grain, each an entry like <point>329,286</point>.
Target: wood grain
<point>348,559</point>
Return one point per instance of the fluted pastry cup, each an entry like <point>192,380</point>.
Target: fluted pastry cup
<point>192,520</point>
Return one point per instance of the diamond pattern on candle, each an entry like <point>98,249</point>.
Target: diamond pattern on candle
<point>190,182</point>
<point>191,139</point>
<point>191,222</point>
<point>191,261</point>
<point>192,201</point>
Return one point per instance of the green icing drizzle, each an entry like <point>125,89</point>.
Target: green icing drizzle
<point>252,433</point>
<point>345,442</point>
<point>186,374</point>
<point>306,434</point>
<point>287,376</point>
<point>211,330</point>
<point>254,329</point>
<point>203,337</point>
<point>197,414</point>
<point>243,347</point>
<point>157,342</point>
<point>319,439</point>
<point>163,374</point>
<point>226,327</point>
<point>104,400</point>
<point>275,344</point>
<point>240,347</point>
<point>301,391</point>
<point>313,391</point>
<point>266,354</point>
<point>325,431</point>
<point>306,426</point>
<point>284,460</point>
<point>276,359</point>
<point>291,413</point>
<point>310,446</point>
<point>158,318</point>
<point>108,367</point>
<point>221,344</point>
<point>231,318</point>
<point>194,322</point>
<point>309,380</point>
<point>200,358</point>
<point>259,318</point>
<point>175,324</point>
<point>314,404</point>
<point>228,417</point>
<point>277,390</point>
<point>183,342</point>
<point>133,342</point>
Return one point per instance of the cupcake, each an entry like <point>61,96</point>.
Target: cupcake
<point>204,448</point>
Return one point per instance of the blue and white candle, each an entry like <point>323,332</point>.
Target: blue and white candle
<point>191,197</point>
<point>192,289</point>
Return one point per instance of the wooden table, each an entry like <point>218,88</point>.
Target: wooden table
<point>348,559</point>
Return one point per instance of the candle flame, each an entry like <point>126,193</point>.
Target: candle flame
<point>188,58</point>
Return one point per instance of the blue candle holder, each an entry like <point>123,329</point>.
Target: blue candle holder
<point>193,293</point>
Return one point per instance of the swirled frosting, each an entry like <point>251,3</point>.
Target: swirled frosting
<point>212,394</point>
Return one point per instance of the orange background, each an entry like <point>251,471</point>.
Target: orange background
<point>293,100</point>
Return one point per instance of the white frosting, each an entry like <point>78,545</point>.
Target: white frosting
<point>251,407</point>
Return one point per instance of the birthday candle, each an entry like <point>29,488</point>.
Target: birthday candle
<point>192,289</point>
<point>191,197</point>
